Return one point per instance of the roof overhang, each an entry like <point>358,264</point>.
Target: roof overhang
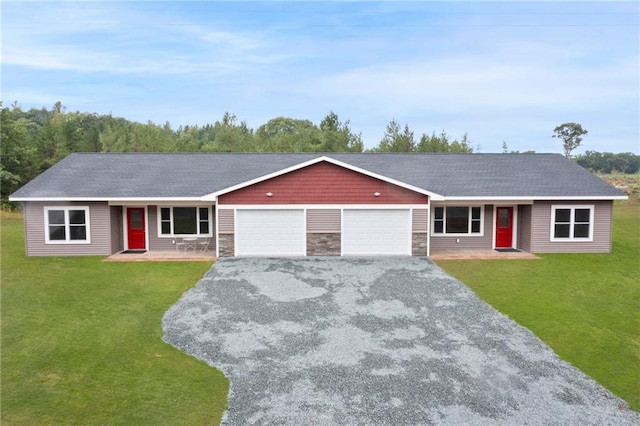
<point>110,200</point>
<point>541,198</point>
<point>212,198</point>
<point>214,195</point>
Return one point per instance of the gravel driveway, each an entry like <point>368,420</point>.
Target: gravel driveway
<point>397,341</point>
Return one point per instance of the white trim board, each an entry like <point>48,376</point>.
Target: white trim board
<point>115,201</point>
<point>207,199</point>
<point>322,206</point>
<point>490,199</point>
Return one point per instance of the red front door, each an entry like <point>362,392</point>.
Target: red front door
<point>504,227</point>
<point>136,229</point>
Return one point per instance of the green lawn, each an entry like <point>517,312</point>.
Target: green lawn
<point>585,306</point>
<point>82,342</point>
<point>81,338</point>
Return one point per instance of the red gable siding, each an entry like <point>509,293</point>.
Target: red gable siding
<point>323,183</point>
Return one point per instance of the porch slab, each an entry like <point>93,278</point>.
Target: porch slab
<point>479,254</point>
<point>161,256</point>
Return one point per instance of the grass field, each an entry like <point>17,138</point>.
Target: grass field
<point>81,338</point>
<point>82,342</point>
<point>585,306</point>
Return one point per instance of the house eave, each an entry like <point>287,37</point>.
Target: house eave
<point>214,196</point>
<point>539,198</point>
<point>110,200</point>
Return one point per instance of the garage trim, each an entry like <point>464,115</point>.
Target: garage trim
<point>341,207</point>
<point>322,206</point>
<point>407,232</point>
<point>298,246</point>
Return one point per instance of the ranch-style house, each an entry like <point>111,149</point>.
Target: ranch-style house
<point>316,204</point>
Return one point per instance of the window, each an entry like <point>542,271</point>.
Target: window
<point>457,220</point>
<point>165,221</point>
<point>184,221</point>
<point>66,225</point>
<point>572,223</point>
<point>203,220</point>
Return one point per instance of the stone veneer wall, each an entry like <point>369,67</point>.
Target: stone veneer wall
<point>419,244</point>
<point>326,244</point>
<point>227,245</point>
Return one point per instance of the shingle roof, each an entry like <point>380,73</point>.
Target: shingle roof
<point>170,175</point>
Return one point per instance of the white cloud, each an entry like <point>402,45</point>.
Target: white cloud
<point>472,83</point>
<point>434,66</point>
<point>114,38</point>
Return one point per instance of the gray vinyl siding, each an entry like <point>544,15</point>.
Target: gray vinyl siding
<point>524,227</point>
<point>419,220</point>
<point>475,242</point>
<point>323,220</point>
<point>541,229</point>
<point>35,233</point>
<point>226,220</point>
<point>166,243</point>
<point>156,243</point>
<point>117,242</point>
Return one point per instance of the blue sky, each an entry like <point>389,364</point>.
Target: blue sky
<point>499,71</point>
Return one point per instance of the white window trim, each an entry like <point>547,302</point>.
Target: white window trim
<point>457,234</point>
<point>173,235</point>
<point>573,208</point>
<point>67,224</point>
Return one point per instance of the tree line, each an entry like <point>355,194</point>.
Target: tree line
<point>607,162</point>
<point>35,139</point>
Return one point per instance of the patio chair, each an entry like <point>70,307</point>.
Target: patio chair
<point>180,245</point>
<point>204,245</point>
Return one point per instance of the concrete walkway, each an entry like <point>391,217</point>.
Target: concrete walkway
<point>479,254</point>
<point>173,255</point>
<point>162,256</point>
<point>377,341</point>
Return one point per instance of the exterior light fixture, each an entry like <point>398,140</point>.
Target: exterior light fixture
<point>376,194</point>
<point>269,194</point>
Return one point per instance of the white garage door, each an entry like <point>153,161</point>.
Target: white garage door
<point>375,232</point>
<point>270,233</point>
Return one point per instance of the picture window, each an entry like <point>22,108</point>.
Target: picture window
<point>185,221</point>
<point>457,220</point>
